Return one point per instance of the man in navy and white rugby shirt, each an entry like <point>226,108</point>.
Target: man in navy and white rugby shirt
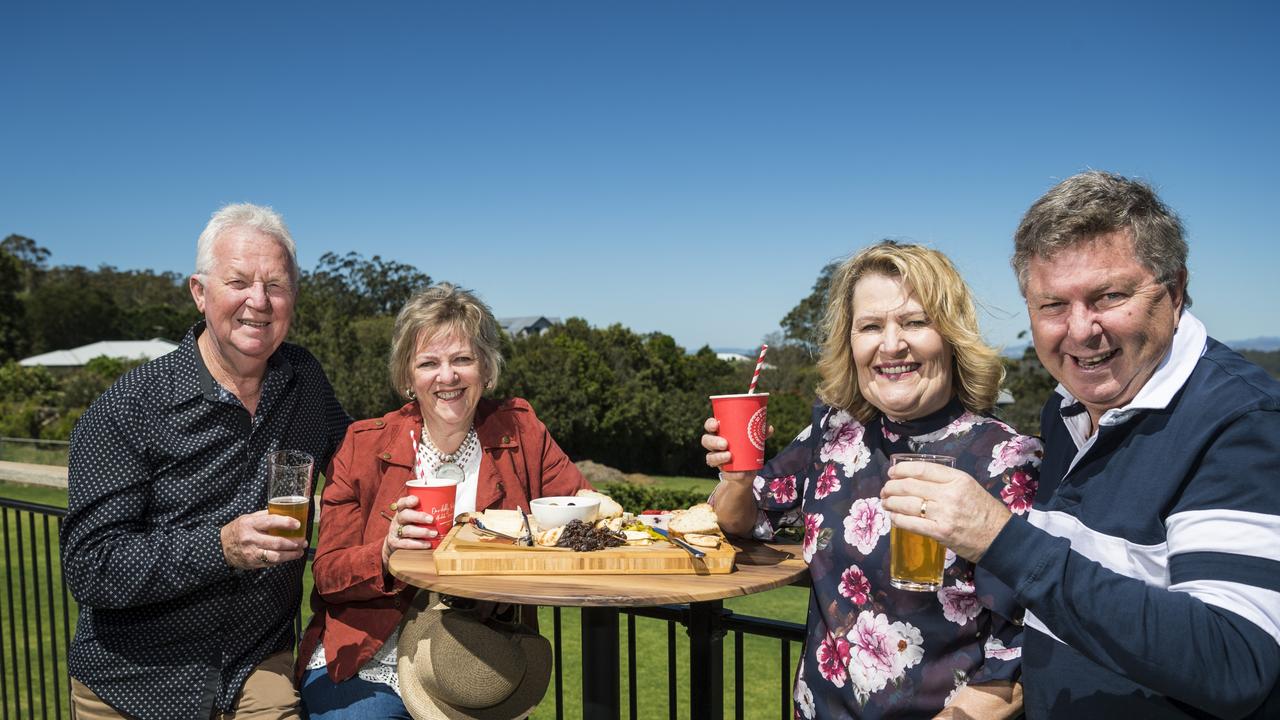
<point>1150,564</point>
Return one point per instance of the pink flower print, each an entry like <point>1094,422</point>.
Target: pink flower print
<point>828,482</point>
<point>888,435</point>
<point>873,653</point>
<point>783,489</point>
<point>833,657</point>
<point>959,602</point>
<point>843,443</point>
<point>865,524</point>
<point>855,586</point>
<point>995,649</point>
<point>812,524</point>
<point>1015,452</point>
<point>1019,493</point>
<point>880,652</point>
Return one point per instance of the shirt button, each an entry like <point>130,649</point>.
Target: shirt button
<point>506,439</point>
<point>385,456</point>
<point>379,423</point>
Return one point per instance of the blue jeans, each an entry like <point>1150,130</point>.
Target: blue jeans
<point>323,699</point>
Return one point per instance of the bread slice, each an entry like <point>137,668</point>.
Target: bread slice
<point>707,541</point>
<point>699,519</point>
<point>548,538</point>
<point>609,508</point>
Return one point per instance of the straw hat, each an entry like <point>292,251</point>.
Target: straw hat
<point>454,667</point>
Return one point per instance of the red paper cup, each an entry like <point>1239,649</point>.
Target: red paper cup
<point>744,419</point>
<point>436,498</point>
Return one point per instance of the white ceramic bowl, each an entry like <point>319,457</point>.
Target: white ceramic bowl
<point>560,509</point>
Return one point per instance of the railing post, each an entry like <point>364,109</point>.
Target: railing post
<point>706,660</point>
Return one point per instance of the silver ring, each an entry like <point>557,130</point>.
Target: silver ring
<point>923,505</point>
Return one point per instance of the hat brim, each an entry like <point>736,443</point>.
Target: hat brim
<point>423,706</point>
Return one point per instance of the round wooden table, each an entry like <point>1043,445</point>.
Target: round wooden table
<point>758,567</point>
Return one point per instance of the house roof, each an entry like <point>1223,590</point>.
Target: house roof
<point>76,357</point>
<point>517,325</point>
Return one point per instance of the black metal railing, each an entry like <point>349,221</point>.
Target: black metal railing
<point>37,614</point>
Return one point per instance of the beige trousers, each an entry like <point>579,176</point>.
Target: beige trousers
<point>268,694</point>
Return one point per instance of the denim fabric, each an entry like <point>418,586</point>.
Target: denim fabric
<point>354,699</point>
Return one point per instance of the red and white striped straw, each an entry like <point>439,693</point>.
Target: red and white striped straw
<point>755,377</point>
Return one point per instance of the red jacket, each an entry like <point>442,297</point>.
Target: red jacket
<point>355,607</point>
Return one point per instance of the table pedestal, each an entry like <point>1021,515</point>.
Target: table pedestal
<point>601,697</point>
<point>706,660</point>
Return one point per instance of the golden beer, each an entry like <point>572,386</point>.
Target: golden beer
<point>294,506</point>
<point>915,561</point>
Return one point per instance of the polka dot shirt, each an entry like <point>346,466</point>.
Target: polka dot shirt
<point>158,465</point>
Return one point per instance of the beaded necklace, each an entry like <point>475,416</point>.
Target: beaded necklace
<point>430,463</point>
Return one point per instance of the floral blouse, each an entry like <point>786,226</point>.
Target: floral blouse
<point>873,651</point>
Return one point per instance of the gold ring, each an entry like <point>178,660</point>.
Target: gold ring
<point>262,555</point>
<point>923,505</point>
<point>400,531</point>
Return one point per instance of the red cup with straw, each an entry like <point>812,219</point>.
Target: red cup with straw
<point>744,422</point>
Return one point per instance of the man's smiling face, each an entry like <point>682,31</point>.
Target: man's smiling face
<point>1100,320</point>
<point>247,296</point>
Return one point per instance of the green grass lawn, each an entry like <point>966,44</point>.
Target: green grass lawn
<point>34,454</point>
<point>761,657</point>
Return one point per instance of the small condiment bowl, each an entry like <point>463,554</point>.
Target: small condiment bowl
<point>558,510</point>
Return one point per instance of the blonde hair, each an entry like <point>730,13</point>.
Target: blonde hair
<point>444,308</point>
<point>976,368</point>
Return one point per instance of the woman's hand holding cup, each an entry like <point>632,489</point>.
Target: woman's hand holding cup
<point>408,529</point>
<point>718,450</point>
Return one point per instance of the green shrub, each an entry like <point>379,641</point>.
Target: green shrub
<point>636,498</point>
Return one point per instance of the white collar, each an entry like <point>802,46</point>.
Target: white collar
<point>1189,343</point>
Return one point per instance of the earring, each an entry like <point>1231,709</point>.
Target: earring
<point>412,395</point>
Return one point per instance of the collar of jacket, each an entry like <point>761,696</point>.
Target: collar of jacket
<point>495,430</point>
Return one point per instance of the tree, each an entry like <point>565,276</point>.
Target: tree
<point>803,325</point>
<point>1030,384</point>
<point>632,401</point>
<point>344,315</point>
<point>68,309</point>
<point>30,255</point>
<point>12,321</point>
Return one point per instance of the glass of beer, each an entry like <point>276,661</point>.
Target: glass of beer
<point>289,488</point>
<point>915,561</point>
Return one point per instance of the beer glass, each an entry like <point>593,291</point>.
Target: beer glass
<point>289,488</point>
<point>915,561</point>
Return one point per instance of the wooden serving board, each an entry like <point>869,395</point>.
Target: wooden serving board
<point>463,552</point>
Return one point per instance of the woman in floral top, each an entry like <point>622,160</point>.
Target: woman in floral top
<point>904,370</point>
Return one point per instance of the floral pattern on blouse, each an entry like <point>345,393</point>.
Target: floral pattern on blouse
<point>873,651</point>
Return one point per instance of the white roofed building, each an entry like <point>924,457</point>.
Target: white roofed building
<point>78,357</point>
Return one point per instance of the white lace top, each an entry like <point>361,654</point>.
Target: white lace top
<point>381,668</point>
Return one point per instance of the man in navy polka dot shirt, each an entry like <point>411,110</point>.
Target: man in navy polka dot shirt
<point>187,599</point>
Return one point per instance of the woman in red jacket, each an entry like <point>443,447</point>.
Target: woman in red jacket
<point>444,355</point>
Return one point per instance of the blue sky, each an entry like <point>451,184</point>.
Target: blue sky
<point>685,167</point>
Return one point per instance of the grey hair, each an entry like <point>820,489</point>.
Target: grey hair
<point>1094,203</point>
<point>444,308</point>
<point>259,217</point>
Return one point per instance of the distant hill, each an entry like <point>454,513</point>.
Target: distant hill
<point>1263,344</point>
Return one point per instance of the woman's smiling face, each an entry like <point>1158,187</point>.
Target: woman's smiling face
<point>448,379</point>
<point>903,362</point>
